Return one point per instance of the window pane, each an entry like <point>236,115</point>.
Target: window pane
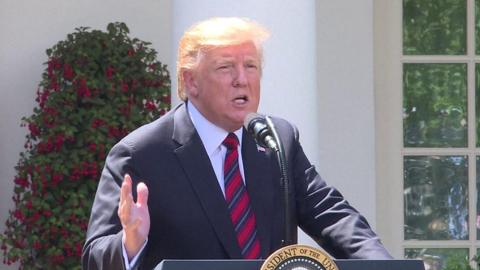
<point>477,101</point>
<point>478,200</point>
<point>434,27</point>
<point>435,105</point>
<point>440,258</point>
<point>436,197</point>
<point>477,26</point>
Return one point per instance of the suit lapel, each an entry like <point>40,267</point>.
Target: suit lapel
<point>259,185</point>
<point>196,163</point>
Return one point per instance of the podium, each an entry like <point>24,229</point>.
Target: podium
<point>256,264</point>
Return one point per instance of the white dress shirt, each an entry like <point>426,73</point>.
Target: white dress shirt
<point>212,137</point>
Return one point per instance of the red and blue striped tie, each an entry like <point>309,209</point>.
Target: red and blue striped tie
<point>241,214</point>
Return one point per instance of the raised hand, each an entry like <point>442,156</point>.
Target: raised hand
<point>134,216</point>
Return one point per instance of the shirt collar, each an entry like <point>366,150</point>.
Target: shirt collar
<point>211,135</point>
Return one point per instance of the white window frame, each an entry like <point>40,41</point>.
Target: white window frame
<point>388,68</point>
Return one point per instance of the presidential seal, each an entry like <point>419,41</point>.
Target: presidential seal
<point>299,257</point>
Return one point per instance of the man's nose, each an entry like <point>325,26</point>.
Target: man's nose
<point>240,77</point>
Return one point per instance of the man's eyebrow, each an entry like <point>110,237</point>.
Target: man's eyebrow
<point>252,59</point>
<point>224,56</point>
<point>222,59</point>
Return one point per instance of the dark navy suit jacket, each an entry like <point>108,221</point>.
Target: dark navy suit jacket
<point>189,216</point>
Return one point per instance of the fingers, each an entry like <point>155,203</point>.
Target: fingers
<point>126,201</point>
<point>142,194</point>
<point>126,189</point>
<point>127,208</point>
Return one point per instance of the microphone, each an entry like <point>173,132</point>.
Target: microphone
<point>257,126</point>
<point>265,134</point>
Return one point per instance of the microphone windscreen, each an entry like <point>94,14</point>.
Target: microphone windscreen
<point>250,117</point>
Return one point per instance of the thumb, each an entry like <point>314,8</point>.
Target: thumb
<point>142,194</point>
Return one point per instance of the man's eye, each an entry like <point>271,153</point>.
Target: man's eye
<point>223,67</point>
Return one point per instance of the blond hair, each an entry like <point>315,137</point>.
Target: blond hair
<point>212,33</point>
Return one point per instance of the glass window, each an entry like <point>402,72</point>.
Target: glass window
<point>439,148</point>
<point>440,258</point>
<point>434,27</point>
<point>435,197</point>
<point>435,105</point>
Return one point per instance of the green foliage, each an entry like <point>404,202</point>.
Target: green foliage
<point>97,87</point>
<point>477,27</point>
<point>441,258</point>
<point>477,102</point>
<point>436,197</point>
<point>457,262</point>
<point>435,105</point>
<point>434,27</point>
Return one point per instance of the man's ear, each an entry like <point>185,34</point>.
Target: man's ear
<point>191,87</point>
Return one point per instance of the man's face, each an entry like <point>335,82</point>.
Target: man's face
<point>225,86</point>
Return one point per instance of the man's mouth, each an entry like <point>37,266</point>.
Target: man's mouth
<point>240,100</point>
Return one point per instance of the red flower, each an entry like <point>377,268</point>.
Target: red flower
<point>35,217</point>
<point>21,182</point>
<point>53,83</point>
<point>152,66</point>
<point>49,116</point>
<point>53,64</point>
<point>68,72</point>
<point>82,88</point>
<point>109,72</point>
<point>134,84</point>
<point>34,130</point>
<point>85,171</point>
<point>124,87</point>
<point>113,132</point>
<point>92,147</point>
<point>126,110</point>
<point>84,225</point>
<point>150,106</point>
<point>19,215</point>
<point>78,249</point>
<point>42,97</point>
<point>56,178</point>
<point>37,245</point>
<point>68,250</point>
<point>97,122</point>
<point>93,169</point>
<point>29,204</point>
<point>147,83</point>
<point>45,147</point>
<point>101,151</point>
<point>47,214</point>
<point>59,142</point>
<point>20,244</point>
<point>166,99</point>
<point>157,83</point>
<point>131,52</point>
<point>57,259</point>
<point>75,174</point>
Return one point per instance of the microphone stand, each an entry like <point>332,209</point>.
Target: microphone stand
<point>284,182</point>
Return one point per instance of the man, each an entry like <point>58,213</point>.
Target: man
<point>214,194</point>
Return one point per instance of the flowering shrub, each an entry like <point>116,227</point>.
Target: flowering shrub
<point>97,86</point>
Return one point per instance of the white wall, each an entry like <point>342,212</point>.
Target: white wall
<point>346,100</point>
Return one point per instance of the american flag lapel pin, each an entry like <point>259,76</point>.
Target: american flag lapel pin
<point>260,149</point>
